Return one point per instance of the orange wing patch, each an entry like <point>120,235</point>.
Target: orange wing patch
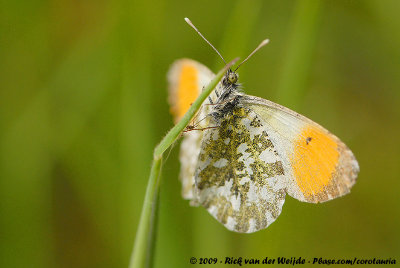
<point>186,92</point>
<point>314,163</point>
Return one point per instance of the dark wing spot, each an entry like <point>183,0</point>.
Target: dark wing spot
<point>308,140</point>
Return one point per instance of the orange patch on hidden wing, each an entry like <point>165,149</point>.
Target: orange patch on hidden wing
<point>187,91</point>
<point>314,161</point>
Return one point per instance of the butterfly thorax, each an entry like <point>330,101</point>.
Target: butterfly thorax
<point>229,96</point>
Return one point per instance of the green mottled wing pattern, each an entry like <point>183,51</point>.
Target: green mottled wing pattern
<point>239,177</point>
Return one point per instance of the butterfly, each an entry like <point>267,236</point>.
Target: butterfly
<point>243,154</point>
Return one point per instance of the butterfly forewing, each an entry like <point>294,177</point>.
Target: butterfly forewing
<point>186,79</point>
<point>319,167</point>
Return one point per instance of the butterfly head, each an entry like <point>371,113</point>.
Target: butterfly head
<point>230,78</point>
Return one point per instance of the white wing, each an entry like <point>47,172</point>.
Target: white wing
<point>186,79</point>
<point>318,166</point>
<point>240,177</point>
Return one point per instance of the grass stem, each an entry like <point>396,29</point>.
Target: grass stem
<point>143,249</point>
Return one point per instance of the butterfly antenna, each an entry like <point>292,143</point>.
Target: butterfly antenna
<point>194,27</point>
<point>263,43</point>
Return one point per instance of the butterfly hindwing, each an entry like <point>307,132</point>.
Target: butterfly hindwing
<point>239,178</point>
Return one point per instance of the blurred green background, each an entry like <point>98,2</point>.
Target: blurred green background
<point>83,103</point>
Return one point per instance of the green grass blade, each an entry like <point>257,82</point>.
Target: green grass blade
<point>143,248</point>
<point>144,243</point>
